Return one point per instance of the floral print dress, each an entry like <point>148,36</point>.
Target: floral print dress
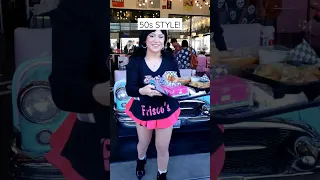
<point>183,58</point>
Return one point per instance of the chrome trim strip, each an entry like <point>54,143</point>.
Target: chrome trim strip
<point>186,108</point>
<point>5,92</point>
<point>231,178</point>
<point>281,175</point>
<point>124,119</point>
<point>266,124</point>
<point>237,177</point>
<point>229,106</point>
<point>129,124</point>
<point>196,119</point>
<point>198,178</point>
<point>116,110</point>
<point>121,114</point>
<point>190,119</point>
<point>193,101</point>
<point>5,83</point>
<point>244,148</point>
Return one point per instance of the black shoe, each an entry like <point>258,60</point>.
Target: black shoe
<point>162,176</point>
<point>140,171</point>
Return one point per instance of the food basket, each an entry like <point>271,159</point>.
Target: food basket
<point>311,89</point>
<point>202,85</point>
<point>168,86</point>
<point>239,57</point>
<point>198,89</point>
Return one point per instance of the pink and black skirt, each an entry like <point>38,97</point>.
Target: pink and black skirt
<point>158,115</point>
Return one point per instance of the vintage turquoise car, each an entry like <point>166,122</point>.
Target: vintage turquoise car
<point>287,145</point>
<point>35,116</point>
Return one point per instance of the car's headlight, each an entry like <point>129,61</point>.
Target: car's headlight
<point>121,94</point>
<point>307,154</point>
<point>36,104</point>
<point>206,109</point>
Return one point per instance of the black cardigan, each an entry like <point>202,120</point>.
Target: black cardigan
<point>136,67</point>
<point>137,77</point>
<point>80,49</point>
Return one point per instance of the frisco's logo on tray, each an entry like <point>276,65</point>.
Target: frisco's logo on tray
<point>160,23</point>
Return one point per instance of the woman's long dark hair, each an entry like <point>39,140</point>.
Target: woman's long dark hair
<point>141,52</point>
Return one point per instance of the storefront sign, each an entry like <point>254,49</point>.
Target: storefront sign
<point>160,23</point>
<point>117,3</point>
<point>188,5</point>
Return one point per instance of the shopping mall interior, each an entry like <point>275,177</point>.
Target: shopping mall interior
<point>196,22</point>
<point>264,120</point>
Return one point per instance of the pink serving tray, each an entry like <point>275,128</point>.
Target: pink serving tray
<point>228,89</point>
<point>176,91</point>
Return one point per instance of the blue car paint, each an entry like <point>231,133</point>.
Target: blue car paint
<point>33,70</point>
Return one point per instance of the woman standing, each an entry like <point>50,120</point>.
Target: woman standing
<point>147,107</point>
<point>183,57</point>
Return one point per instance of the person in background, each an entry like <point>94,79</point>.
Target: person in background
<point>202,53</point>
<point>129,47</point>
<point>183,56</point>
<point>118,50</point>
<point>176,46</point>
<point>111,50</point>
<point>168,49</point>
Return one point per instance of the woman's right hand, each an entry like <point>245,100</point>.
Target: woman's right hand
<point>149,90</point>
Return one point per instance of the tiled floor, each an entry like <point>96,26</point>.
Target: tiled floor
<point>187,167</point>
